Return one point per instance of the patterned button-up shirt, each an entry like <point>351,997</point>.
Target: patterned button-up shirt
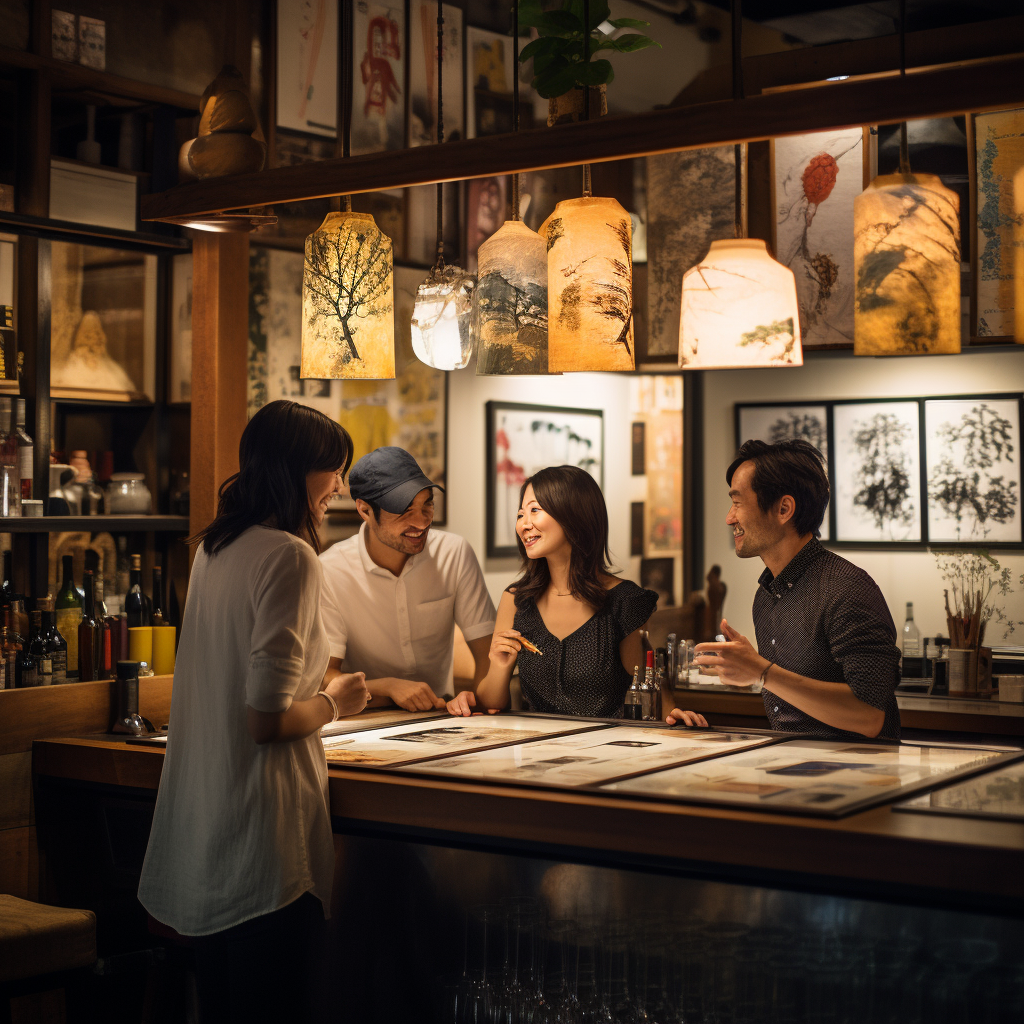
<point>824,618</point>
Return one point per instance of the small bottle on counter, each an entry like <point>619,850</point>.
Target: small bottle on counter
<point>90,635</point>
<point>632,709</point>
<point>912,652</point>
<point>648,692</point>
<point>136,606</point>
<point>68,614</point>
<point>11,644</point>
<point>54,663</point>
<point>27,669</point>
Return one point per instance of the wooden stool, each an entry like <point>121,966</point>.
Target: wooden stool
<point>41,948</point>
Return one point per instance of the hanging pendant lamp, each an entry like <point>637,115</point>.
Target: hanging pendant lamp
<point>441,315</point>
<point>348,298</point>
<point>510,303</point>
<point>906,259</point>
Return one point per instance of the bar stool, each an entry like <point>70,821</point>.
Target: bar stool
<point>42,948</point>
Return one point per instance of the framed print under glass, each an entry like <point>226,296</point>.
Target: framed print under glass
<point>402,744</point>
<point>422,113</point>
<point>103,323</point>
<point>378,77</point>
<point>824,778</point>
<point>522,439</point>
<point>771,423</point>
<point>973,464</point>
<point>307,66</point>
<point>877,471</point>
<point>490,81</point>
<point>997,794</point>
<point>585,759</point>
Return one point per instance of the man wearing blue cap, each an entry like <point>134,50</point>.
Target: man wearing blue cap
<point>394,593</point>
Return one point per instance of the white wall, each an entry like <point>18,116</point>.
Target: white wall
<point>902,576</point>
<point>466,490</point>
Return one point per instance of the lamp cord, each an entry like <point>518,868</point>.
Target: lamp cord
<point>515,101</point>
<point>586,89</point>
<point>439,264</point>
<point>737,94</point>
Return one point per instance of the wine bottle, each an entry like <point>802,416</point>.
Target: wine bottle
<point>159,614</point>
<point>10,647</point>
<point>68,614</point>
<point>54,664</point>
<point>90,635</point>
<point>27,669</point>
<point>912,652</point>
<point>648,691</point>
<point>26,448</point>
<point>135,600</point>
<point>631,708</point>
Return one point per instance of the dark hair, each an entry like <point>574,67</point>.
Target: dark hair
<point>280,446</point>
<point>794,467</point>
<point>572,497</point>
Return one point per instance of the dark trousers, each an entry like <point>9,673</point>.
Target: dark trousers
<point>272,968</point>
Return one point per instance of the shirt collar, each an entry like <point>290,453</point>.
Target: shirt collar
<point>793,569</point>
<point>372,568</point>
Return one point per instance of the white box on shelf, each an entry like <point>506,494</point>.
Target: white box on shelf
<point>88,194</point>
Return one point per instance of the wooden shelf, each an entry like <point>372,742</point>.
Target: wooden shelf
<point>91,234</point>
<point>78,78</point>
<point>988,85</point>
<point>95,524</point>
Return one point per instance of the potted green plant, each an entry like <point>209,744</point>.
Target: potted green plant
<point>561,69</point>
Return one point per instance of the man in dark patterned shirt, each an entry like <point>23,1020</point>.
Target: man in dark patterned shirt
<point>826,643</point>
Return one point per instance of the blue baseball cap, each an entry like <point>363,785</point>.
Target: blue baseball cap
<point>388,477</point>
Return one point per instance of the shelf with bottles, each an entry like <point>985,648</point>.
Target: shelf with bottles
<point>95,524</point>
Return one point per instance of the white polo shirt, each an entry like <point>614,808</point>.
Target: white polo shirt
<point>404,625</point>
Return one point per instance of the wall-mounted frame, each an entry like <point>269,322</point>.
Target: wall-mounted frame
<point>490,80</point>
<point>421,109</point>
<point>911,472</point>
<point>307,67</point>
<point>522,439</point>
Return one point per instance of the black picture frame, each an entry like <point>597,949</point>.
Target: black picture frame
<point>498,546</point>
<point>638,451</point>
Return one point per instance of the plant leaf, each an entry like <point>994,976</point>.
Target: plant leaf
<point>554,84</point>
<point>549,64</point>
<point>540,47</point>
<point>597,72</point>
<point>599,11</point>
<point>632,43</point>
<point>623,23</point>
<point>563,21</point>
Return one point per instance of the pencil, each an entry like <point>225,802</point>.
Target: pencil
<point>530,646</point>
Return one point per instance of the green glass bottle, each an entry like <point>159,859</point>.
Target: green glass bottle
<point>68,615</point>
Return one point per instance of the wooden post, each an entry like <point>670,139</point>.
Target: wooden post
<point>220,318</point>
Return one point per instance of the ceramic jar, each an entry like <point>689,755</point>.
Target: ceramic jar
<point>127,494</point>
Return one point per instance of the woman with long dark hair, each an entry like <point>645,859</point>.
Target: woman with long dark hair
<point>582,619</point>
<point>241,854</point>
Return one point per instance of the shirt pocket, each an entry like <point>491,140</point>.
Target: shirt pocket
<point>433,618</point>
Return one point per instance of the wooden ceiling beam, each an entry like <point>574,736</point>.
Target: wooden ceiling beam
<point>990,85</point>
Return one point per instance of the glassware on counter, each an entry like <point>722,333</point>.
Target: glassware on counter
<point>84,489</point>
<point>128,494</point>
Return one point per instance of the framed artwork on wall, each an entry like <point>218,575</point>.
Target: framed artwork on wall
<point>775,422</point>
<point>486,207</point>
<point>877,471</point>
<point>522,439</point>
<point>658,574</point>
<point>973,469</point>
<point>815,179</point>
<point>422,108</point>
<point>103,323</point>
<point>490,81</point>
<point>307,66</point>
<point>378,77</point>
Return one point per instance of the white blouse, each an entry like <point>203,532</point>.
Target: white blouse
<point>242,829</point>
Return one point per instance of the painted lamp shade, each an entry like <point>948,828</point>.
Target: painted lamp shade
<point>441,335</point>
<point>906,260</point>
<point>348,301</point>
<point>1018,256</point>
<point>510,304</point>
<point>739,308</point>
<point>590,286</point>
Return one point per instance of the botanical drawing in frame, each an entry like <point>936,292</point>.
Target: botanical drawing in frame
<point>378,77</point>
<point>973,468</point>
<point>877,462</point>
<point>815,179</point>
<point>998,155</point>
<point>776,422</point>
<point>307,67</point>
<point>691,200</point>
<point>522,439</point>
<point>422,112</point>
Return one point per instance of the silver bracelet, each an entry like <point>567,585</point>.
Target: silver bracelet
<point>334,704</point>
<point>764,675</point>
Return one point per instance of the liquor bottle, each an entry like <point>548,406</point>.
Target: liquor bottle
<point>158,617</point>
<point>9,442</point>
<point>108,659</point>
<point>54,664</point>
<point>26,448</point>
<point>68,614</point>
<point>90,636</point>
<point>648,692</point>
<point>631,708</point>
<point>135,600</point>
<point>8,345</point>
<point>27,670</point>
<point>101,604</point>
<point>912,652</point>
<point>11,645</point>
<point>660,678</point>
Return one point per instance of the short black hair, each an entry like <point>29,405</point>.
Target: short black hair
<point>794,467</point>
<point>374,508</point>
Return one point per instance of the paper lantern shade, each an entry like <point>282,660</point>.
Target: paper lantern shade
<point>348,323</point>
<point>906,260</point>
<point>510,303</point>
<point>1018,256</point>
<point>441,315</point>
<point>590,286</point>
<point>739,308</point>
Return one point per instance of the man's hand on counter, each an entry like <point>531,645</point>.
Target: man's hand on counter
<point>687,718</point>
<point>405,693</point>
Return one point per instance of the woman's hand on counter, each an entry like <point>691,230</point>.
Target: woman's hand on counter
<point>349,692</point>
<point>737,662</point>
<point>686,717</point>
<point>407,694</point>
<point>464,703</point>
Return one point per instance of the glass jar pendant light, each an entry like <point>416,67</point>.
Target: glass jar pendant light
<point>441,315</point>
<point>348,299</point>
<point>510,304</point>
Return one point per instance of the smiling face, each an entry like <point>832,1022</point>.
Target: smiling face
<point>540,534</point>
<point>321,486</point>
<point>405,533</point>
<point>754,531</point>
